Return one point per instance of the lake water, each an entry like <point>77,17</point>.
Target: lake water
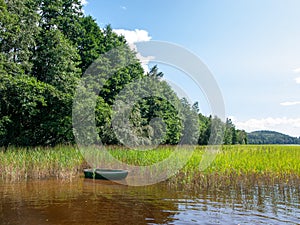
<point>88,202</point>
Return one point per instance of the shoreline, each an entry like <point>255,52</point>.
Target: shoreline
<point>233,165</point>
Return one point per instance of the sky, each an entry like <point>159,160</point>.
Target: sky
<point>251,47</point>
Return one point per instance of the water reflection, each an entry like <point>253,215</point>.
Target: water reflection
<point>257,205</point>
<point>88,202</point>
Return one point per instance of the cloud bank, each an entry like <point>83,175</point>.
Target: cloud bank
<point>290,103</point>
<point>297,79</point>
<point>290,126</point>
<point>297,70</point>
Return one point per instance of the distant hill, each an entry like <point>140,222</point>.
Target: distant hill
<point>271,137</point>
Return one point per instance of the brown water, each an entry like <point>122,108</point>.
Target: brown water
<point>88,202</point>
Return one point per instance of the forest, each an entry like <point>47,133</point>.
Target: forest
<point>46,47</point>
<point>271,137</point>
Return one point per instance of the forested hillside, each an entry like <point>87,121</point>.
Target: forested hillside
<point>271,137</point>
<point>45,48</point>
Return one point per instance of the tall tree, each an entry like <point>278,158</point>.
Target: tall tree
<point>204,129</point>
<point>242,137</point>
<point>217,131</point>
<point>56,61</point>
<point>18,23</point>
<point>62,14</point>
<point>90,42</point>
<point>190,123</point>
<point>111,39</point>
<point>228,132</point>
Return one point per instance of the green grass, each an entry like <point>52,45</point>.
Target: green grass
<point>37,163</point>
<point>258,159</point>
<point>233,165</point>
<point>247,165</point>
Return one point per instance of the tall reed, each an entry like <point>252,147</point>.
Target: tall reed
<point>232,165</point>
<point>37,163</point>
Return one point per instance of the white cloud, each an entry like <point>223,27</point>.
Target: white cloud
<point>134,36</point>
<point>290,103</point>
<point>290,126</point>
<point>123,7</point>
<point>296,70</point>
<point>297,79</point>
<point>84,2</point>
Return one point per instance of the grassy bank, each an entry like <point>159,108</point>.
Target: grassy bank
<point>233,164</point>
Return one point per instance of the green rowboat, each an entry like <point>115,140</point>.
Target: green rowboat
<point>105,174</point>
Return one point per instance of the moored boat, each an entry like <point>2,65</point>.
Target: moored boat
<point>105,174</point>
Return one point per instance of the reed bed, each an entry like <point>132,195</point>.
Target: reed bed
<point>245,165</point>
<point>39,163</point>
<point>233,165</point>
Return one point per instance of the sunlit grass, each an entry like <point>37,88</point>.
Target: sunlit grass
<point>244,159</point>
<point>246,164</point>
<point>250,159</point>
<point>37,163</point>
<point>232,165</point>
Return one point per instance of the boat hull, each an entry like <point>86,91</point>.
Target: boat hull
<point>105,174</point>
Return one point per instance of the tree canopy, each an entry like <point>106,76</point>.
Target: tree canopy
<point>48,46</point>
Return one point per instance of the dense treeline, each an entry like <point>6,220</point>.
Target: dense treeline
<point>231,134</point>
<point>45,48</point>
<point>271,137</point>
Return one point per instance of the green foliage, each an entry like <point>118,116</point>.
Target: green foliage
<point>230,133</point>
<point>190,123</point>
<point>157,116</point>
<point>61,14</point>
<point>47,46</point>
<point>33,113</point>
<point>242,137</point>
<point>90,42</point>
<point>204,129</point>
<point>18,29</point>
<point>213,130</point>
<point>55,61</point>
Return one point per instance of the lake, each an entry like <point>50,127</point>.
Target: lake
<point>87,202</point>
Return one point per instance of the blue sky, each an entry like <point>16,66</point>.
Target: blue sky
<point>252,48</point>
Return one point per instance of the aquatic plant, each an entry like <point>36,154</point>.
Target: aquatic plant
<point>233,165</point>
